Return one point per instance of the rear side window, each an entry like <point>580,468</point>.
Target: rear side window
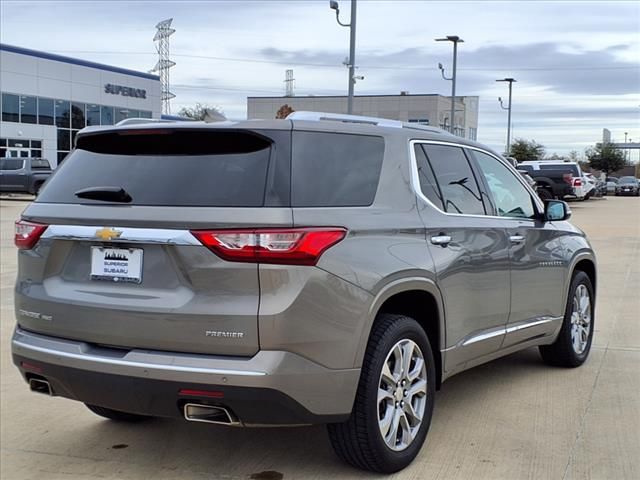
<point>11,163</point>
<point>460,192</point>
<point>40,164</point>
<point>335,170</point>
<point>567,168</point>
<point>526,168</point>
<point>167,168</point>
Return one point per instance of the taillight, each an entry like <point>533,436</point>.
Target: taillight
<point>568,178</point>
<point>577,182</point>
<point>27,234</point>
<point>297,246</point>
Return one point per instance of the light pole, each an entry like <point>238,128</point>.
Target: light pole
<point>333,4</point>
<point>626,151</point>
<point>510,80</point>
<point>455,40</point>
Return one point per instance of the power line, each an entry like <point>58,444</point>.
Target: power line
<point>341,66</point>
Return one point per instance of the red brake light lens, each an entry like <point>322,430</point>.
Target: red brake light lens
<point>577,182</point>
<point>27,234</point>
<point>297,246</point>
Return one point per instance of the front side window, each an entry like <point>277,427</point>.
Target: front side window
<point>458,186</point>
<point>11,163</point>
<point>428,185</point>
<point>511,198</point>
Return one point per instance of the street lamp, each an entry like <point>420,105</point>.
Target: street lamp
<point>626,151</point>
<point>455,40</point>
<point>510,80</point>
<point>352,47</point>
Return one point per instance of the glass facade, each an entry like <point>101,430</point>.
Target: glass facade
<point>20,147</point>
<point>68,117</point>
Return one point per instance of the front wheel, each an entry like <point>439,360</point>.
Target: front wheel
<point>394,401</point>
<point>573,344</point>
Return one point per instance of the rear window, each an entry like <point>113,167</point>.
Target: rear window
<point>566,168</point>
<point>335,170</point>
<point>11,163</point>
<point>167,168</point>
<point>40,164</point>
<point>627,180</point>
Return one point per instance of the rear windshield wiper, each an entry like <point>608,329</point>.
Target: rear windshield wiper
<point>106,194</point>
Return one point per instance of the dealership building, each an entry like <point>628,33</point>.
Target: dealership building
<point>47,98</point>
<point>425,109</point>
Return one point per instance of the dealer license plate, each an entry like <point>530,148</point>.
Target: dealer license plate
<point>116,264</point>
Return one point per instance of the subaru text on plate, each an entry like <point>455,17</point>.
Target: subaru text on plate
<point>319,269</point>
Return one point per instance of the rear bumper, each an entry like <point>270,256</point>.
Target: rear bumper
<point>273,387</point>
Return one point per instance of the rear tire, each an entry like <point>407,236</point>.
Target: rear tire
<point>573,344</point>
<point>545,194</point>
<point>117,415</point>
<point>395,398</point>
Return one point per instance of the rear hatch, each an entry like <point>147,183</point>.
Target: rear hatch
<point>120,262</point>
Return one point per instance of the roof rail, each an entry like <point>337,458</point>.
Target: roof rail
<point>340,117</point>
<point>137,121</point>
<point>425,128</point>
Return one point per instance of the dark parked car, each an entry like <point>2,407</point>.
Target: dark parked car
<point>321,269</point>
<point>23,175</point>
<point>550,183</point>
<point>628,186</point>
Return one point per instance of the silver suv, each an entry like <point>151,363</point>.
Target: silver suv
<point>319,269</point>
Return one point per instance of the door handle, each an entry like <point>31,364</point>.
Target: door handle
<point>442,240</point>
<point>516,238</point>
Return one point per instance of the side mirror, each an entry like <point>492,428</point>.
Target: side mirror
<point>333,5</point>
<point>556,211</point>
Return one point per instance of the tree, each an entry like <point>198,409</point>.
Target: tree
<point>605,157</point>
<point>522,150</point>
<point>284,111</point>
<point>199,111</point>
<point>574,156</point>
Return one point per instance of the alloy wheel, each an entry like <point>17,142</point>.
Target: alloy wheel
<point>580,319</point>
<point>402,395</point>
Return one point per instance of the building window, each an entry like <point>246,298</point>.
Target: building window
<point>93,114</point>
<point>77,115</point>
<point>123,113</point>
<point>421,121</point>
<point>63,113</point>
<point>145,114</point>
<point>473,133</point>
<point>45,111</point>
<point>10,108</point>
<point>28,109</point>
<point>106,115</point>
<point>64,139</point>
<point>61,157</point>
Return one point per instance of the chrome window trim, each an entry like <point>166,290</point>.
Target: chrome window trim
<point>129,234</point>
<point>415,180</point>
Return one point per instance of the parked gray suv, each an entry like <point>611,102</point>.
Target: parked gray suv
<point>319,269</point>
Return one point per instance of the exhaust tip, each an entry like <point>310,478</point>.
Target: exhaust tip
<point>194,412</point>
<point>39,385</point>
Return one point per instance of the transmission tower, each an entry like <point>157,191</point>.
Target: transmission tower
<point>164,63</point>
<point>289,83</point>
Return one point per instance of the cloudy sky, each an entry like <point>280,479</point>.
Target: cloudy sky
<point>577,63</point>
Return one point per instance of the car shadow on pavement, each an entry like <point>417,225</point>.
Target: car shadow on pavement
<point>210,451</point>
